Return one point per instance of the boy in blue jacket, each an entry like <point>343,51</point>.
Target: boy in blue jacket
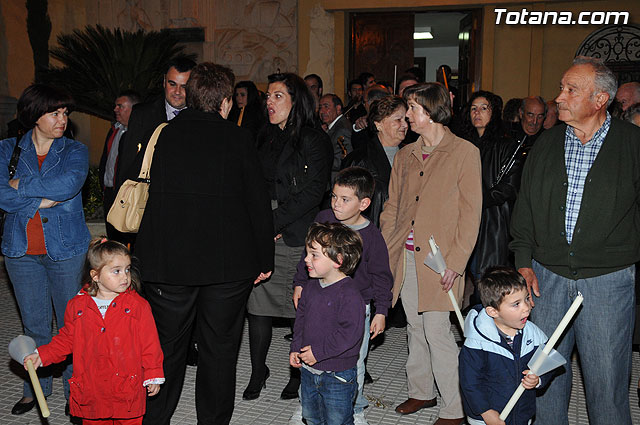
<point>499,343</point>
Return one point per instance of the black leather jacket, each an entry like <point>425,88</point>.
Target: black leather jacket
<point>373,157</point>
<point>298,176</point>
<point>498,199</point>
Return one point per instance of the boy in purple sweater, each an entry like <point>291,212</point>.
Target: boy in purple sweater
<point>351,195</point>
<point>328,330</point>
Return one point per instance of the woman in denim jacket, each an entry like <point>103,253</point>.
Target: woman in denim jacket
<point>45,237</point>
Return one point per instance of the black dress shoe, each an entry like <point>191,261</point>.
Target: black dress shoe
<point>66,409</point>
<point>290,391</point>
<point>253,391</point>
<point>367,378</point>
<point>21,407</point>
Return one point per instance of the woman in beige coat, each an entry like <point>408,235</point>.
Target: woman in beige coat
<point>435,189</point>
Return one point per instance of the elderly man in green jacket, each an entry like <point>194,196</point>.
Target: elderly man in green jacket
<point>576,228</point>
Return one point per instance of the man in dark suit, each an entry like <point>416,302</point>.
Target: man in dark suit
<point>109,160</point>
<point>338,129</point>
<point>355,109</point>
<point>147,116</point>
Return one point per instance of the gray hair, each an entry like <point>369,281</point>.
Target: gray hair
<point>605,80</point>
<point>523,104</point>
<point>631,112</point>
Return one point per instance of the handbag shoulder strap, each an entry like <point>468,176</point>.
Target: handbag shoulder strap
<point>13,163</point>
<point>148,153</point>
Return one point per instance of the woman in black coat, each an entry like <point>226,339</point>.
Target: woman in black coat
<point>501,171</point>
<point>388,126</point>
<point>296,157</point>
<point>248,107</point>
<point>204,240</point>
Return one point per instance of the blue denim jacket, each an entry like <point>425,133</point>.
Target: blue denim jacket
<point>60,179</point>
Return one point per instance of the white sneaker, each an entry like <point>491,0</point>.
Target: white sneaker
<point>296,418</point>
<point>358,419</point>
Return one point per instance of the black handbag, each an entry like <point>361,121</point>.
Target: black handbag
<point>13,165</point>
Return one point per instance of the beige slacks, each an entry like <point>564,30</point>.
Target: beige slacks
<point>433,353</point>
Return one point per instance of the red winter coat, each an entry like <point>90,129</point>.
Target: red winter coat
<point>112,357</point>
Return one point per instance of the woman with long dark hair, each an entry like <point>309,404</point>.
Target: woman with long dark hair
<point>296,157</point>
<point>45,236</point>
<point>248,107</point>
<point>501,170</point>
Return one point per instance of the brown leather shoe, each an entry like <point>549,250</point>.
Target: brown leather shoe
<point>442,421</point>
<point>412,405</point>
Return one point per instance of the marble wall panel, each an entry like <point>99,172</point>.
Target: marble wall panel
<point>253,37</point>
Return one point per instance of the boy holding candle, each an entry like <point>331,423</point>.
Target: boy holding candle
<point>499,343</point>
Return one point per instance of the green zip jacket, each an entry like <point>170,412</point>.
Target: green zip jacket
<point>607,234</point>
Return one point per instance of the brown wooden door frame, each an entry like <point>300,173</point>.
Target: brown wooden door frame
<point>378,41</point>
<point>469,65</point>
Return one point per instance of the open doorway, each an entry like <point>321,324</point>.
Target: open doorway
<point>386,44</point>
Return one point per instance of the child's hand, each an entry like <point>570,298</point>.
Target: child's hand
<point>294,360</point>
<point>377,325</point>
<point>35,359</point>
<point>152,389</point>
<point>529,381</point>
<point>306,355</point>
<point>492,417</point>
<point>297,293</point>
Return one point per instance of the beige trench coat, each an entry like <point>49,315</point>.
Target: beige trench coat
<point>439,196</point>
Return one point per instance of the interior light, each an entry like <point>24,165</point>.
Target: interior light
<point>425,35</point>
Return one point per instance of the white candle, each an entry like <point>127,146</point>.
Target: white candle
<point>432,244</point>
<point>563,323</point>
<point>456,308</point>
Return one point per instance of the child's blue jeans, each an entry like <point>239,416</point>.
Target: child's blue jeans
<point>327,399</point>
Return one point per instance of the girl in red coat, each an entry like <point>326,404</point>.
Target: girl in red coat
<point>117,359</point>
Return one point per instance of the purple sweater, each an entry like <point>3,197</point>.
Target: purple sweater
<point>373,276</point>
<point>330,320</point>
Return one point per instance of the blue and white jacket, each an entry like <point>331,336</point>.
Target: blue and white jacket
<point>60,179</point>
<point>490,370</point>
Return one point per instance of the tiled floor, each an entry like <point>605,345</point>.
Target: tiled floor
<point>386,365</point>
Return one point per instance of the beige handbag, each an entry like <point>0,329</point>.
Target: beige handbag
<point>127,209</point>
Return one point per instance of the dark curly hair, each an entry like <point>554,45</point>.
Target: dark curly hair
<point>341,244</point>
<point>494,128</point>
<point>382,108</point>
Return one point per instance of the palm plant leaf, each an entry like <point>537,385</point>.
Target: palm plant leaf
<point>98,63</point>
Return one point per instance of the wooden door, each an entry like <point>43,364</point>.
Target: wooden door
<point>469,55</point>
<point>380,42</point>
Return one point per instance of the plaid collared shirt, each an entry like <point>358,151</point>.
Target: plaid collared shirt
<point>578,159</point>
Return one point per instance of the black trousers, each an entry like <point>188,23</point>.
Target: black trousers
<point>220,312</point>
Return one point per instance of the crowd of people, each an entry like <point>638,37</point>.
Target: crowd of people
<point>297,205</point>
